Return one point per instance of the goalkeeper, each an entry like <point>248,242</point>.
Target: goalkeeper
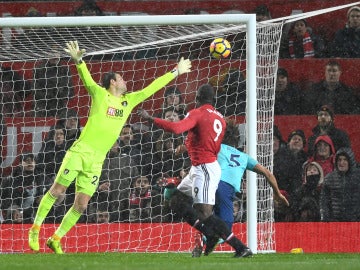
<point>111,105</point>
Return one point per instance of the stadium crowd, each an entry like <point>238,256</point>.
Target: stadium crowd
<point>319,174</point>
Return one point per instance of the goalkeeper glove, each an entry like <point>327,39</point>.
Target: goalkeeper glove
<point>184,66</point>
<point>74,51</point>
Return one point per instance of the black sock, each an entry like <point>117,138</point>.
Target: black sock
<point>222,230</point>
<point>207,230</point>
<point>236,244</point>
<point>218,225</point>
<point>182,206</point>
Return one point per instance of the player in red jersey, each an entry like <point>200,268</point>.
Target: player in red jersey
<point>206,129</point>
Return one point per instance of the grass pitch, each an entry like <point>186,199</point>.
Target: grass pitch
<point>178,261</point>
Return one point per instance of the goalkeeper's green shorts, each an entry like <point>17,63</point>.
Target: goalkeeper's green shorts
<point>83,167</point>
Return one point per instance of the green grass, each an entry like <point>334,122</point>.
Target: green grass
<point>178,261</point>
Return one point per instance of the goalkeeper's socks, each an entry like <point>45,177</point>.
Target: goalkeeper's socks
<point>56,237</point>
<point>44,207</point>
<point>35,227</point>
<point>69,220</point>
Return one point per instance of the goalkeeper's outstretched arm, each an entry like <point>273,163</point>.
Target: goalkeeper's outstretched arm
<point>75,53</point>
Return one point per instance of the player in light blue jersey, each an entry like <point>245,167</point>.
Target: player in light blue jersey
<point>233,164</point>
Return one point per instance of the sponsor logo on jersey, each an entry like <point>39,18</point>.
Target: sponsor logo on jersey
<point>115,112</point>
<point>66,171</point>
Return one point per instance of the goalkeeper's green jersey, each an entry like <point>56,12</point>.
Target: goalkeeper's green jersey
<point>109,113</point>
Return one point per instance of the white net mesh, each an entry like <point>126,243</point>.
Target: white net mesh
<point>51,96</point>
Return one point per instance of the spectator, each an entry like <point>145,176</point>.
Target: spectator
<point>294,153</point>
<point>33,12</point>
<point>239,210</point>
<point>102,216</point>
<point>13,90</point>
<point>296,145</point>
<point>287,95</point>
<point>340,200</point>
<point>144,203</point>
<point>303,43</point>
<point>307,203</point>
<point>53,86</point>
<point>22,187</point>
<point>129,145</point>
<point>173,98</point>
<point>14,215</point>
<point>166,162</point>
<point>171,114</point>
<point>324,153</point>
<point>71,121</point>
<point>99,214</point>
<point>88,8</point>
<point>278,141</point>
<point>332,92</point>
<point>262,13</point>
<point>288,161</point>
<point>217,80</point>
<point>346,43</point>
<point>283,213</point>
<point>231,94</point>
<point>51,154</point>
<point>115,182</point>
<point>325,117</point>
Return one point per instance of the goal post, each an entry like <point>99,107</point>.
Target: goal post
<point>143,48</point>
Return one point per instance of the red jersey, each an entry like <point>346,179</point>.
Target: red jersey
<point>206,129</point>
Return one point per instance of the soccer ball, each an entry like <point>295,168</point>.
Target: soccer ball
<point>220,48</point>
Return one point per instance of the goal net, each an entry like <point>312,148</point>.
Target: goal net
<point>44,106</point>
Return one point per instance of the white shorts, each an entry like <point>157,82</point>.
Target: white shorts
<point>202,182</point>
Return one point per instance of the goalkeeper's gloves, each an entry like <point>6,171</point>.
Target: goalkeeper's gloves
<point>184,66</point>
<point>74,51</point>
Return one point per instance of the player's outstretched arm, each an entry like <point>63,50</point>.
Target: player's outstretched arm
<point>145,115</point>
<point>73,50</point>
<point>183,66</point>
<point>272,181</point>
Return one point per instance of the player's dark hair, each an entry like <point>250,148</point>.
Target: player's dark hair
<point>107,78</point>
<point>205,94</point>
<point>232,134</point>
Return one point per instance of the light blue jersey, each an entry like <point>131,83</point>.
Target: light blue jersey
<point>233,164</point>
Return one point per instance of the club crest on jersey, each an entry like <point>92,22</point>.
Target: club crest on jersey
<point>114,112</point>
<point>124,103</point>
